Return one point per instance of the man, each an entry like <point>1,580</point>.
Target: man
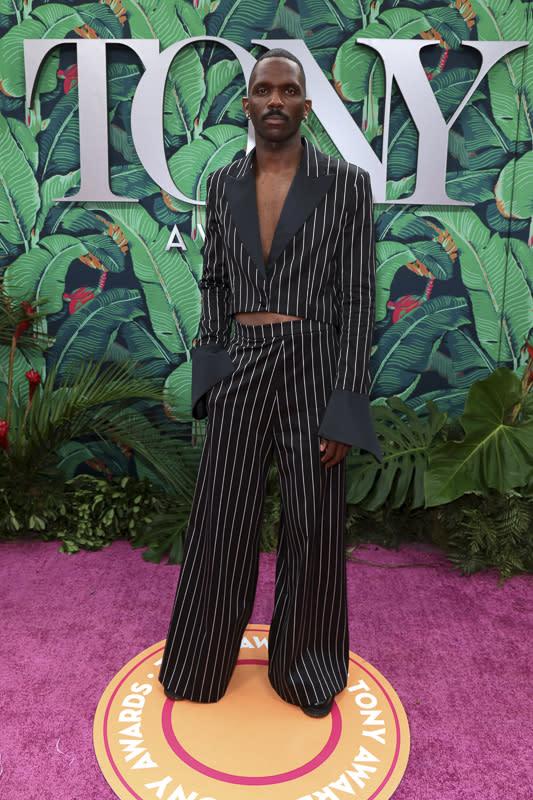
<point>282,364</point>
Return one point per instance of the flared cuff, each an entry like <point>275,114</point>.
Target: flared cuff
<point>348,419</point>
<point>210,364</point>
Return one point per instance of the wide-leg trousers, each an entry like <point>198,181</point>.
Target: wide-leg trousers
<point>271,403</point>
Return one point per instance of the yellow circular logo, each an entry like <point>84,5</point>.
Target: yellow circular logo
<point>251,743</point>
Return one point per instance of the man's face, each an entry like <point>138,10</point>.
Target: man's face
<point>276,99</point>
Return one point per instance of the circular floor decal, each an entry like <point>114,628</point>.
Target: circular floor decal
<point>250,745</point>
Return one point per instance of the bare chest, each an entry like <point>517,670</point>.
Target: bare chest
<point>270,193</point>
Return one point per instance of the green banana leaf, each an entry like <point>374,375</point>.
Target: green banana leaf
<point>390,257</point>
<point>184,92</point>
<point>513,189</point>
<point>59,144</point>
<point>19,190</point>
<point>405,348</point>
<point>217,78</point>
<point>93,327</point>
<point>59,20</point>
<point>495,453</point>
<point>191,164</point>
<point>240,22</point>
<point>178,389</point>
<point>499,294</point>
<point>42,270</point>
<point>169,287</point>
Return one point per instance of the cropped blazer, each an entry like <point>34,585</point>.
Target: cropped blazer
<point>321,266</point>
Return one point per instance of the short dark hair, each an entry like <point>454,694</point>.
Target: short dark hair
<point>279,52</point>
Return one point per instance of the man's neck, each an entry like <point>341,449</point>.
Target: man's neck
<point>278,157</point>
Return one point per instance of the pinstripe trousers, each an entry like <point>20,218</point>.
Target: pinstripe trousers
<point>272,402</point>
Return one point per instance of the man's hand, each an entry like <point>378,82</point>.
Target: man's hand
<point>333,452</point>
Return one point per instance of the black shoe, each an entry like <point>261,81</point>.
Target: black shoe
<point>319,710</point>
<point>172,696</point>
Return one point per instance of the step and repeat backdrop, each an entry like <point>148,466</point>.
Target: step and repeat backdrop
<point>114,113</point>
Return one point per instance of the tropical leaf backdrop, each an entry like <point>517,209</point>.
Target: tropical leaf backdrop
<point>454,297</point>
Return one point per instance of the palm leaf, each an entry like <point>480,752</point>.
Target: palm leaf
<point>95,399</point>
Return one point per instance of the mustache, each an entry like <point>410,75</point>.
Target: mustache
<point>275,113</point>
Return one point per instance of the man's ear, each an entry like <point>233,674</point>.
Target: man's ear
<point>308,105</point>
<point>245,105</point>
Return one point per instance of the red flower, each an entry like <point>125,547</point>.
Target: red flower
<point>29,311</point>
<point>70,76</point>
<point>34,380</point>
<point>78,298</point>
<point>4,428</point>
<point>403,306</point>
<point>529,349</point>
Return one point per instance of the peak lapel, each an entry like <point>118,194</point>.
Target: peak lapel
<point>240,192</point>
<point>310,184</point>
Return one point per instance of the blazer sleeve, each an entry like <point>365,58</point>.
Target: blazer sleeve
<point>210,359</point>
<point>347,417</point>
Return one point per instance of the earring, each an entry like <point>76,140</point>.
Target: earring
<point>248,116</point>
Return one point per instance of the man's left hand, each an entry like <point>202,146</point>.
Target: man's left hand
<point>333,452</point>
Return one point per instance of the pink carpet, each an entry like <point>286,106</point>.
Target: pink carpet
<point>457,650</point>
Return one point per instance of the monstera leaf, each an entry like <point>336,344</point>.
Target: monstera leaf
<point>495,453</point>
<point>405,348</point>
<point>19,190</point>
<point>406,441</point>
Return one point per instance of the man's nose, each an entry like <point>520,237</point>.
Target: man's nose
<point>275,99</point>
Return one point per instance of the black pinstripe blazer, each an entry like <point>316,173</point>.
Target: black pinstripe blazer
<point>321,266</point>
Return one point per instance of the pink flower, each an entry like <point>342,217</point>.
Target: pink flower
<point>34,380</point>
<point>403,306</point>
<point>70,76</point>
<point>4,428</point>
<point>29,311</point>
<point>78,298</point>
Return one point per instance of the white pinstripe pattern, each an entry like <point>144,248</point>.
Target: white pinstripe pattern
<point>285,374</point>
<point>273,401</point>
<point>327,273</point>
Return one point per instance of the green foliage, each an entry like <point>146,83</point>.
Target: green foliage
<point>86,512</point>
<point>494,530</point>
<point>496,450</point>
<point>406,441</point>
